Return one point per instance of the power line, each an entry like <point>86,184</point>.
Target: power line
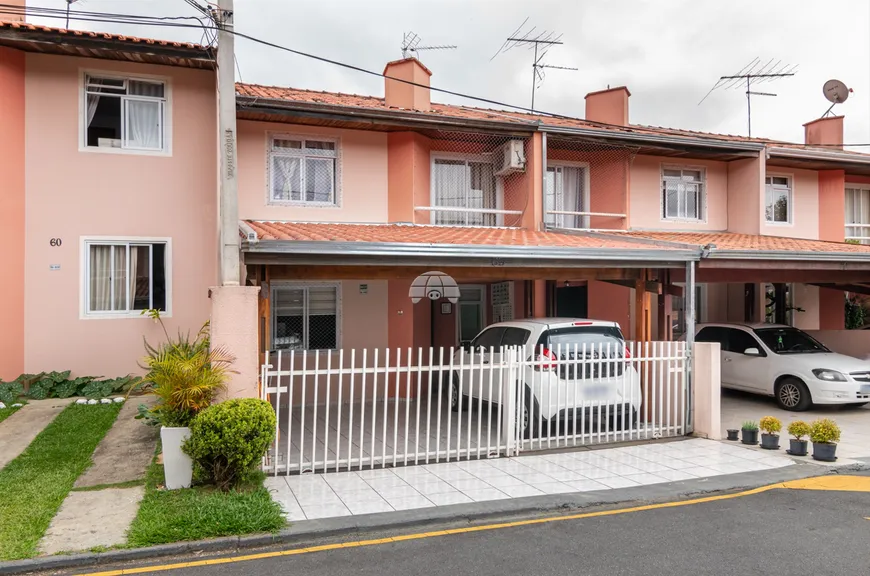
<point>173,22</point>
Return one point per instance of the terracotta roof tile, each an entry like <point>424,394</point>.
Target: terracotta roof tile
<point>730,241</point>
<point>474,113</point>
<point>417,234</point>
<point>101,35</point>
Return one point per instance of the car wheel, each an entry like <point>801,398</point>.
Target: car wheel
<point>456,401</point>
<point>793,395</point>
<point>530,420</point>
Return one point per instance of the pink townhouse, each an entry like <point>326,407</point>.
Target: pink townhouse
<point>109,207</point>
<point>108,204</point>
<point>344,200</point>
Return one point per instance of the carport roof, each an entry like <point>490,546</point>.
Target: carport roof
<point>294,238</point>
<point>752,247</point>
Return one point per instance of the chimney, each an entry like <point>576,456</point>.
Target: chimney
<point>826,131</point>
<point>403,95</point>
<point>608,106</point>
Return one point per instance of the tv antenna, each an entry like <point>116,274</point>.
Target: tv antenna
<point>836,93</point>
<point>411,45</point>
<point>541,43</point>
<point>69,3</point>
<point>750,75</point>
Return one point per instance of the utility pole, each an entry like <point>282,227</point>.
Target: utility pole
<point>228,204</point>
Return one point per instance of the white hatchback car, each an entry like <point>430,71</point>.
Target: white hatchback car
<point>555,391</point>
<point>788,364</point>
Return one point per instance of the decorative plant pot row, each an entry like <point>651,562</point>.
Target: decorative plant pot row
<point>824,434</point>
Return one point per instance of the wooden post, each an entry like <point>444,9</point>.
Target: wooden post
<point>641,309</point>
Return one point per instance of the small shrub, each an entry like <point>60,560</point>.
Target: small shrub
<point>749,425</point>
<point>185,374</point>
<point>10,391</point>
<point>824,431</point>
<point>228,440</point>
<point>799,429</point>
<point>771,425</point>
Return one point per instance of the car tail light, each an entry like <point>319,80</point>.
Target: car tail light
<point>540,360</point>
<point>627,352</point>
<point>582,324</point>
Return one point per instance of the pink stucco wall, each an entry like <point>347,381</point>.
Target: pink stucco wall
<point>12,67</point>
<point>805,211</point>
<point>646,192</point>
<point>362,175</point>
<point>745,186</point>
<point>72,194</point>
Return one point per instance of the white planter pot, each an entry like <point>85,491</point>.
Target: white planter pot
<point>177,466</point>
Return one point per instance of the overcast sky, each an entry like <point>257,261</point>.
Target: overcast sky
<point>668,52</point>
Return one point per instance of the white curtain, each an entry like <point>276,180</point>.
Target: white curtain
<point>143,123</point>
<point>93,100</point>
<point>134,274</point>
<point>451,190</point>
<point>571,197</point>
<point>287,181</point>
<point>119,278</point>
<point>100,272</point>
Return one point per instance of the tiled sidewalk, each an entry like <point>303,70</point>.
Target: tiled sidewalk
<point>313,496</point>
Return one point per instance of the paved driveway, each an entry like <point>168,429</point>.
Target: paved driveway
<point>854,422</point>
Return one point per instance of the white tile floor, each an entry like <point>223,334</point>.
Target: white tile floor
<point>313,496</point>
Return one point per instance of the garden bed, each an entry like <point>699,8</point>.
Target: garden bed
<point>35,484</point>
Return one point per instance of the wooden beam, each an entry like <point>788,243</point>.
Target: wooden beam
<point>856,288</point>
<point>463,274</point>
<point>773,275</point>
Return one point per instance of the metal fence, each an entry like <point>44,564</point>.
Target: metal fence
<point>586,183</point>
<point>357,409</point>
<point>475,179</point>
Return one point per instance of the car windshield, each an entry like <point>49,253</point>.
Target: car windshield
<point>789,341</point>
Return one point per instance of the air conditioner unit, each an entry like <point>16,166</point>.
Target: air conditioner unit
<point>512,159</point>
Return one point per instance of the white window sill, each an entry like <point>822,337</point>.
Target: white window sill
<point>780,224</point>
<point>119,315</point>
<point>684,220</point>
<point>125,151</point>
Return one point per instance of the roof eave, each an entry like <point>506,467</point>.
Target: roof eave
<point>804,154</point>
<point>805,256</point>
<point>538,256</point>
<point>654,138</point>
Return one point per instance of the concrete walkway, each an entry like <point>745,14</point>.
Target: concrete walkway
<point>19,430</point>
<point>125,452</point>
<point>314,496</point>
<point>90,519</point>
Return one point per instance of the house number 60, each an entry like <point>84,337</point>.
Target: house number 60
<point>55,242</point>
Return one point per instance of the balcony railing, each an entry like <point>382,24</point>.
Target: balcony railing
<point>461,216</point>
<point>858,233</point>
<point>569,220</point>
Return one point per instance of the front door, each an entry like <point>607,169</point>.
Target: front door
<point>470,320</point>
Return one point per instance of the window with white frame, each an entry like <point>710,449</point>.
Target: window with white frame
<point>777,202</point>
<point>683,193</point>
<point>306,317</point>
<point>303,170</point>
<point>566,191</point>
<point>125,277</point>
<point>466,184</point>
<point>126,113</point>
<point>858,213</point>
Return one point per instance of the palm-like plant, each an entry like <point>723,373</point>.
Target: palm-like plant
<point>185,375</point>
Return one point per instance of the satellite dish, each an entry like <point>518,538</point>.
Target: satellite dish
<point>835,91</point>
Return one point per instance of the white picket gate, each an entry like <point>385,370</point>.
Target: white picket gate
<point>350,410</point>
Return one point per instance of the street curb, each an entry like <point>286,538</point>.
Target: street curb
<point>348,526</point>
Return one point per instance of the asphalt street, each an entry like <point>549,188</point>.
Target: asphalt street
<point>775,532</point>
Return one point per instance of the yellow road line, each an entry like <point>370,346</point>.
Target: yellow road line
<point>833,483</point>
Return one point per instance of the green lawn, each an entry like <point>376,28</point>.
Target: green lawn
<point>201,512</point>
<point>33,486</point>
<point>7,412</point>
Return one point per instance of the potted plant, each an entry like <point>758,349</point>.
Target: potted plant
<point>185,375</point>
<point>770,427</point>
<point>797,445</point>
<point>825,434</point>
<point>749,433</point>
<point>733,434</point>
